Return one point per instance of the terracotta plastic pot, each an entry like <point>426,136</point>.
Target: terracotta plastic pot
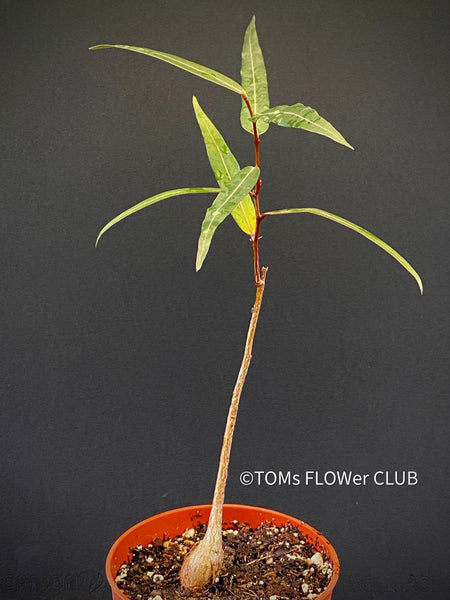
<point>175,522</point>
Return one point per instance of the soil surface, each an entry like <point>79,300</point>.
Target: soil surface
<point>266,563</point>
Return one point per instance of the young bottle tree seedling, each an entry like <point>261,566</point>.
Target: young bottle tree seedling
<point>238,195</point>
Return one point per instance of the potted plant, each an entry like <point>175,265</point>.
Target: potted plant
<point>238,193</point>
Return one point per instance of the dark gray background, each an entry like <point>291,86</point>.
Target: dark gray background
<point>118,363</point>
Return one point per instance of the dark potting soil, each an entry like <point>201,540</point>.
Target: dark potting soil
<point>266,563</point>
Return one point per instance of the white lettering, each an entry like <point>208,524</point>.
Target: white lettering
<point>412,478</point>
<point>376,478</point>
<point>284,479</point>
<point>259,473</point>
<point>271,478</point>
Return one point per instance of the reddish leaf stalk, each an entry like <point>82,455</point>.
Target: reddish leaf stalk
<point>205,560</point>
<point>255,195</point>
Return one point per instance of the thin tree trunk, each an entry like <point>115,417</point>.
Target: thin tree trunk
<point>205,560</point>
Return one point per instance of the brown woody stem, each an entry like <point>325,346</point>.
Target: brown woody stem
<point>204,561</point>
<point>219,492</point>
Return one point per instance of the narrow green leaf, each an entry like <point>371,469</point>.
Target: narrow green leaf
<point>234,191</point>
<point>224,166</point>
<point>153,200</point>
<point>182,63</point>
<point>302,117</point>
<point>370,236</point>
<point>254,80</point>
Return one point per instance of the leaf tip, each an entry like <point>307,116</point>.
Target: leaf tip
<point>418,280</point>
<point>344,142</point>
<point>100,46</point>
<point>199,259</point>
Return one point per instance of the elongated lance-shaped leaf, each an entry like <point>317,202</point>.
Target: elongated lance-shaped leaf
<point>224,166</point>
<point>153,200</point>
<point>254,80</point>
<point>370,236</point>
<point>182,63</point>
<point>302,117</point>
<point>235,191</point>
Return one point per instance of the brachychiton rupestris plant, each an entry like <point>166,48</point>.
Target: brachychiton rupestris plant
<point>238,195</point>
